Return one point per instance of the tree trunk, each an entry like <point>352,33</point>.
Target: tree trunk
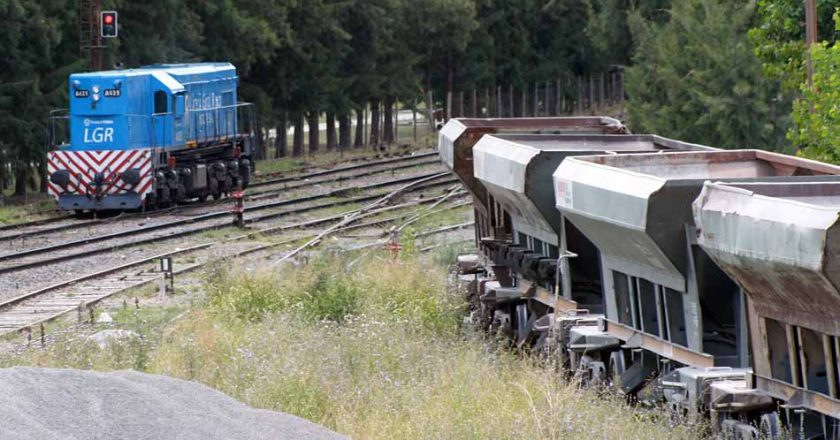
<point>450,76</point>
<point>297,141</point>
<point>359,139</point>
<point>344,131</point>
<point>314,132</point>
<point>374,124</point>
<point>332,142</point>
<point>280,132</point>
<point>389,120</point>
<point>20,180</point>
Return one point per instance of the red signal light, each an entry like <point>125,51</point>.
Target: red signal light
<point>108,24</point>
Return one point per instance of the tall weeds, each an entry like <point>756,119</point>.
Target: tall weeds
<point>372,347</point>
<point>379,352</point>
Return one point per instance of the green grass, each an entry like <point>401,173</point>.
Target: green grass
<point>68,350</point>
<point>379,352</point>
<point>39,209</point>
<point>221,233</point>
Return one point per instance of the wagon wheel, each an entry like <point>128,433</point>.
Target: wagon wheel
<point>616,368</point>
<point>770,426</point>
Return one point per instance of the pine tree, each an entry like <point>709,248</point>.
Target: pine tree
<point>697,79</point>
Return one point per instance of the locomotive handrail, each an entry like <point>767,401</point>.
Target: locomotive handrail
<point>59,114</point>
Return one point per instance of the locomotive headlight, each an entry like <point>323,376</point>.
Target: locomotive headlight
<point>95,97</point>
<point>131,177</point>
<point>95,89</point>
<point>60,178</point>
<point>76,84</point>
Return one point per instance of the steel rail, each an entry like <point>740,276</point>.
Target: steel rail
<point>152,228</point>
<point>252,234</point>
<point>44,221</point>
<point>32,295</point>
<point>195,219</point>
<point>413,162</point>
<point>309,175</point>
<point>365,160</point>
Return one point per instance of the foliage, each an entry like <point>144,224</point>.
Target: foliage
<point>696,78</point>
<point>301,58</point>
<point>817,114</point>
<point>779,37</point>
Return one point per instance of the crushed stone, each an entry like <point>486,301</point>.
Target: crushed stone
<point>105,337</point>
<point>44,403</point>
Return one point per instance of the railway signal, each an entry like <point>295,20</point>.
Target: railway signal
<point>108,27</point>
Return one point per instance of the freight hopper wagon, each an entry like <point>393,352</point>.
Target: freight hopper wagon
<point>457,138</point>
<point>780,241</point>
<point>150,136</point>
<point>544,264</point>
<point>673,312</point>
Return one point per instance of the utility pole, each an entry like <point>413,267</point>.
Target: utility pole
<point>810,37</point>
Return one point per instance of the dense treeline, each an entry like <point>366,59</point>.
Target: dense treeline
<point>694,68</point>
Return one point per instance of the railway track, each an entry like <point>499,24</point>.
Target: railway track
<point>23,230</point>
<point>69,250</point>
<point>30,312</point>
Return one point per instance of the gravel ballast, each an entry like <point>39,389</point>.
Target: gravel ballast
<point>42,403</point>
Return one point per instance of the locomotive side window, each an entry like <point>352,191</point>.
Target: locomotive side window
<point>229,112</point>
<point>160,102</point>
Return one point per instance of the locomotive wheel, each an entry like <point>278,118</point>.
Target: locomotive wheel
<point>217,195</point>
<point>79,214</point>
<point>202,198</point>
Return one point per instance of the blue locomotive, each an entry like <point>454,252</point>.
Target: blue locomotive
<point>152,136</point>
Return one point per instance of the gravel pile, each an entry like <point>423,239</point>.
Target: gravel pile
<point>37,403</point>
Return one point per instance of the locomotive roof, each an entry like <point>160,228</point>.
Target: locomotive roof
<point>215,70</point>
